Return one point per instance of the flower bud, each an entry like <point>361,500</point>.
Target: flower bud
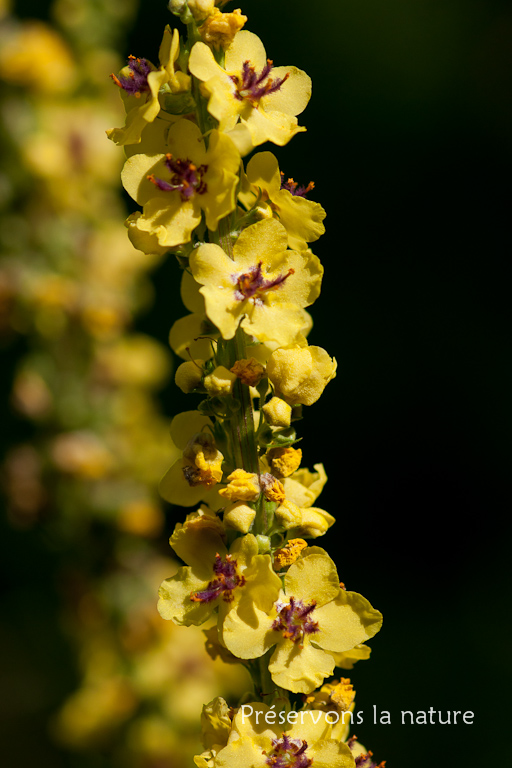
<point>220,382</point>
<point>200,9</point>
<point>314,522</point>
<point>242,486</point>
<point>288,515</point>
<point>239,517</point>
<point>277,412</point>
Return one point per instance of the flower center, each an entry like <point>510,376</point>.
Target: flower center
<point>294,619</point>
<point>366,760</point>
<point>252,86</point>
<point>202,462</point>
<point>225,580</point>
<point>252,284</point>
<point>136,82</point>
<point>293,187</point>
<point>186,178</point>
<point>289,753</point>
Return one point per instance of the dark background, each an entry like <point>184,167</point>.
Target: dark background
<point>409,145</point>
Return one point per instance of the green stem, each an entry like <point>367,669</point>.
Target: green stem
<point>242,422</point>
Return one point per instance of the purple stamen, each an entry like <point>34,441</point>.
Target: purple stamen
<point>225,580</point>
<point>252,283</point>
<point>293,187</point>
<point>187,178</point>
<point>289,753</point>
<point>136,82</point>
<point>364,761</point>
<point>252,86</point>
<point>294,620</point>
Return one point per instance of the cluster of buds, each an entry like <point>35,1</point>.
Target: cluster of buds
<point>242,236</point>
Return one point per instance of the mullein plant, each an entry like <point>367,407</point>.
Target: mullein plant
<point>241,234</point>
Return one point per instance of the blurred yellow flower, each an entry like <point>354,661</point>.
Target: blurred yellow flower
<point>36,56</point>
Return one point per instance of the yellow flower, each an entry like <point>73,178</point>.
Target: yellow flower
<point>277,412</point>
<point>264,287</point>
<point>36,56</point>
<point>312,617</point>
<point>272,489</point>
<point>265,99</point>
<point>289,553</point>
<point>192,477</point>
<point>219,29</point>
<point>301,374</point>
<point>242,486</point>
<point>219,382</point>
<point>174,188</point>
<point>258,740</point>
<point>338,698</point>
<point>303,521</point>
<point>193,335</point>
<point>140,82</point>
<point>249,371</point>
<point>304,487</point>
<point>285,461</point>
<point>239,580</point>
<point>302,218</point>
<point>215,724</point>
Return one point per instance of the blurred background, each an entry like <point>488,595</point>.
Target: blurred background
<point>409,144</point>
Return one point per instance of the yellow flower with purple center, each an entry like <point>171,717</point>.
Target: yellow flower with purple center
<point>259,741</point>
<point>175,187</point>
<point>214,578</point>
<point>265,287</point>
<point>312,618</point>
<point>263,185</point>
<point>252,100</point>
<point>192,478</point>
<point>141,82</point>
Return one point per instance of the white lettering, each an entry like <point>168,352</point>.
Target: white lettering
<point>243,712</point>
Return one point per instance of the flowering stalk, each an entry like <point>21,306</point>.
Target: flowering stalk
<point>241,234</point>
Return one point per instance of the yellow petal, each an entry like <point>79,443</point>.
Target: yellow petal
<point>202,63</point>
<point>174,599</point>
<point>297,669</point>
<point>293,96</point>
<point>185,425</point>
<point>242,753</point>
<point>183,335</point>
<point>170,219</point>
<point>175,489</point>
<point>245,47</point>
<point>313,576</point>
<point>271,125</point>
<point>190,295</point>
<point>265,241</point>
<point>247,631</point>
<point>346,621</point>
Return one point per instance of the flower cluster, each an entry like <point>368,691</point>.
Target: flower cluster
<point>241,234</point>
